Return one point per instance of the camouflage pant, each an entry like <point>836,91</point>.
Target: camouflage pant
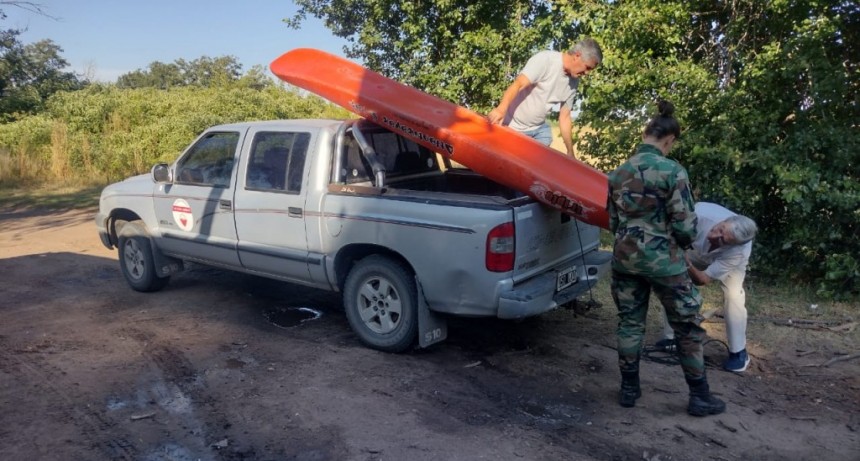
<point>682,302</point>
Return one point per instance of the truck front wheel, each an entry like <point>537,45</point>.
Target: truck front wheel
<point>136,260</point>
<point>380,299</point>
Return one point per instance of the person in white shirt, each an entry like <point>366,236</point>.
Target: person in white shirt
<point>548,78</point>
<point>721,252</point>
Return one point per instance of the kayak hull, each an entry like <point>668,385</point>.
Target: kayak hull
<point>466,137</point>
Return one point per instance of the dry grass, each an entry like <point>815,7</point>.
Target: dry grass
<point>816,325</point>
<point>50,197</point>
<point>786,314</point>
<point>60,166</point>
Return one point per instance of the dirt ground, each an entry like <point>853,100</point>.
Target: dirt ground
<point>91,370</point>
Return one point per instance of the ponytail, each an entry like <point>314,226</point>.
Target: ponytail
<point>663,124</point>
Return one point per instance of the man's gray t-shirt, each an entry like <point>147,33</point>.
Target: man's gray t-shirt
<point>550,86</point>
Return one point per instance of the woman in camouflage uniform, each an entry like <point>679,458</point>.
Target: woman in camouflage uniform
<point>651,213</point>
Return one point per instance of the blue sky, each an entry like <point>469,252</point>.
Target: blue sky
<point>103,39</point>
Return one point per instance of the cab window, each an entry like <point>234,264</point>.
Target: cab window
<point>399,156</point>
<point>277,161</point>
<point>209,162</point>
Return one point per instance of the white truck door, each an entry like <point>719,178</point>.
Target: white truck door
<point>195,212</point>
<point>270,202</point>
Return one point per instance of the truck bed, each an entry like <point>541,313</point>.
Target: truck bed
<point>455,181</point>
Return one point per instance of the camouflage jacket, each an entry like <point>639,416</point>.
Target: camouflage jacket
<point>651,212</point>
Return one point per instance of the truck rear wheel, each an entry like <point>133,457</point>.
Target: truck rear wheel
<point>381,299</point>
<point>136,260</point>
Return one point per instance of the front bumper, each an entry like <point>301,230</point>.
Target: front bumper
<point>101,224</point>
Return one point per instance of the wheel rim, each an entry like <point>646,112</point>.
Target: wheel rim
<point>379,305</point>
<point>133,258</point>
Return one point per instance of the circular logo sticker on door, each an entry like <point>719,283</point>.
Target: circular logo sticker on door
<point>182,215</point>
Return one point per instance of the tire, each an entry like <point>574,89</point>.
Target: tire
<point>136,260</point>
<point>380,299</point>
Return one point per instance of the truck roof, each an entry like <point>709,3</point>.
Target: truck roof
<point>309,122</point>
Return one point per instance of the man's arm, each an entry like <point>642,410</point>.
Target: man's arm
<point>612,211</point>
<point>497,115</point>
<point>565,126</point>
<point>698,277</point>
<point>717,270</point>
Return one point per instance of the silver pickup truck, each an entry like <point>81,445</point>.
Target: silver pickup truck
<point>406,236</point>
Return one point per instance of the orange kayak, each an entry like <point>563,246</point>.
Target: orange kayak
<point>464,136</point>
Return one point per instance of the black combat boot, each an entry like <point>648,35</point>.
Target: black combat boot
<point>630,390</point>
<point>702,403</point>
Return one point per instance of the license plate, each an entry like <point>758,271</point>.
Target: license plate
<point>566,278</point>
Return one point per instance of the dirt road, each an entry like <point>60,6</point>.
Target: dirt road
<point>91,370</point>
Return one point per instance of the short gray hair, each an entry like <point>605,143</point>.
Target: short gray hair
<point>743,228</point>
<point>589,50</point>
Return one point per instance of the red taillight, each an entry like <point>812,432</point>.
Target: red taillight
<point>500,248</point>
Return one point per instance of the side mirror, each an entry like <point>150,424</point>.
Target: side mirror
<point>161,173</point>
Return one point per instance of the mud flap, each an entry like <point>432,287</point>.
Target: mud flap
<point>432,327</point>
<point>165,265</point>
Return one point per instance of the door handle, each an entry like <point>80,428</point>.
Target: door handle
<point>225,204</point>
<point>294,212</point>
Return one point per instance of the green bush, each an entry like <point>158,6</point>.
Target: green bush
<point>26,146</point>
<point>767,97</point>
<point>104,133</point>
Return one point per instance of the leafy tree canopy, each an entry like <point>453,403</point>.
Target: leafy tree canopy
<point>767,93</point>
<point>201,72</point>
<point>460,50</point>
<point>30,74</point>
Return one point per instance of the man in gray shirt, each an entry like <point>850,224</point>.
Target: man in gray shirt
<point>548,78</point>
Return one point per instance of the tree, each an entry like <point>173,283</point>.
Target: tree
<point>257,78</point>
<point>768,94</point>
<point>9,52</point>
<point>30,74</point>
<point>460,50</point>
<point>201,72</point>
<point>32,7</point>
<point>157,75</point>
<point>206,71</point>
